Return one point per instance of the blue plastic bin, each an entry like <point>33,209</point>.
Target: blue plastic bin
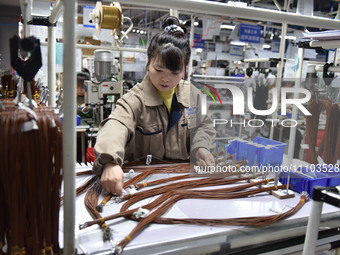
<point>271,155</point>
<point>326,176</point>
<point>261,151</point>
<point>243,149</point>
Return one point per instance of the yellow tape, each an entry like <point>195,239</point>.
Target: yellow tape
<point>48,248</point>
<point>104,226</point>
<point>18,251</point>
<point>145,184</point>
<point>128,238</point>
<point>102,220</point>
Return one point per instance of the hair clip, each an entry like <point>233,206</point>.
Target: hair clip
<point>173,28</point>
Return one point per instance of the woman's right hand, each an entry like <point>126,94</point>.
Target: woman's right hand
<point>112,179</point>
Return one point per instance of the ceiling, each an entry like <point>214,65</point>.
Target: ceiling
<point>150,17</point>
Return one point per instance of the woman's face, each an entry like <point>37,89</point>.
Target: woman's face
<point>162,78</point>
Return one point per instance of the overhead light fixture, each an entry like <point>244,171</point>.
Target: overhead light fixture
<point>266,46</point>
<point>225,26</point>
<point>238,43</point>
<point>196,23</point>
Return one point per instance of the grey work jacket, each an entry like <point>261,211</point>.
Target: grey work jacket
<point>140,125</point>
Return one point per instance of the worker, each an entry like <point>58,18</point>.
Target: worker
<point>159,116</point>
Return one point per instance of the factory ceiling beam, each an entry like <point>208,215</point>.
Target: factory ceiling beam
<point>223,9</point>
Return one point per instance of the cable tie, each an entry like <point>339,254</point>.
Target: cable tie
<point>128,238</point>
<point>144,184</point>
<point>104,226</point>
<point>276,188</point>
<point>102,220</point>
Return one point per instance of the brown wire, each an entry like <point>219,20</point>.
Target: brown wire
<point>156,191</point>
<point>173,192</point>
<point>30,179</point>
<point>312,124</point>
<point>172,197</point>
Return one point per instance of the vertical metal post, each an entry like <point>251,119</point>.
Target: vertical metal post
<point>280,66</point>
<point>51,75</point>
<point>26,8</point>
<point>292,133</point>
<point>69,127</point>
<point>312,228</point>
<point>192,28</point>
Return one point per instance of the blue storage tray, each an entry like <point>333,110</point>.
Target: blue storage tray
<point>323,175</point>
<point>261,151</point>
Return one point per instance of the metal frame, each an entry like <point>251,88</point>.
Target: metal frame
<point>222,9</point>
<point>69,81</point>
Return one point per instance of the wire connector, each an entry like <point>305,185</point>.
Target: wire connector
<point>117,199</point>
<point>82,226</point>
<point>129,174</point>
<point>140,212</point>
<point>117,250</point>
<point>148,159</point>
<point>305,193</point>
<point>107,234</point>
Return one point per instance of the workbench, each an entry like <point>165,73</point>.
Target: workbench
<point>285,236</point>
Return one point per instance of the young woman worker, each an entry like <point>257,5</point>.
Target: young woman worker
<point>159,116</point>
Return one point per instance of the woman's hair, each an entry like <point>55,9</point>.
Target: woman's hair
<point>171,46</point>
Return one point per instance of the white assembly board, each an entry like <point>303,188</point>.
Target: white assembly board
<point>194,239</point>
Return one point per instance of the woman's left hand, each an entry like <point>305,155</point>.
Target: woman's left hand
<point>204,157</point>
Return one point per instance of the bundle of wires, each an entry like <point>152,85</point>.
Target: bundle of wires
<point>176,188</point>
<point>30,177</point>
<point>329,147</point>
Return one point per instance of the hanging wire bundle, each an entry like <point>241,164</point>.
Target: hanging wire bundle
<point>173,189</point>
<point>329,148</point>
<point>30,178</point>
